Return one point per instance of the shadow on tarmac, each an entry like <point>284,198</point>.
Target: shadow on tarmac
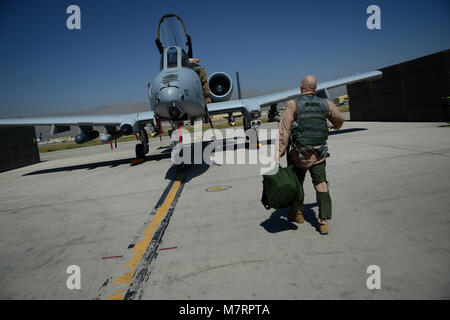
<point>279,222</point>
<point>194,169</point>
<point>331,133</point>
<point>191,171</point>
<point>95,165</point>
<point>222,144</point>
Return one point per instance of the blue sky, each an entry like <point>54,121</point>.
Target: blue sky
<point>45,68</point>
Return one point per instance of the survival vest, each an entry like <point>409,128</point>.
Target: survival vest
<point>310,127</point>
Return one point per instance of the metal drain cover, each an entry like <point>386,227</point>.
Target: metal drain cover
<point>218,188</point>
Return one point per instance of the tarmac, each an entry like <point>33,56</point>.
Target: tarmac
<point>153,231</point>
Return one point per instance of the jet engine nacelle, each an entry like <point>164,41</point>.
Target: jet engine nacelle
<point>220,86</point>
<point>129,126</point>
<point>86,136</point>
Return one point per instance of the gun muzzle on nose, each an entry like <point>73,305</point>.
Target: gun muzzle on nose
<point>174,112</point>
<point>171,96</point>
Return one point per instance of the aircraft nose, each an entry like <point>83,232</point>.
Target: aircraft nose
<point>169,94</point>
<point>171,98</point>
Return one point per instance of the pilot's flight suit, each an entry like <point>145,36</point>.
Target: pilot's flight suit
<point>204,80</point>
<point>304,124</point>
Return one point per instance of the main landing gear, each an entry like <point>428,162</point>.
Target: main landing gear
<point>231,120</point>
<point>252,135</point>
<point>142,148</point>
<point>274,113</point>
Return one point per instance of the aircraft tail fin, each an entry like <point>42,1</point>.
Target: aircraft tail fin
<point>238,83</point>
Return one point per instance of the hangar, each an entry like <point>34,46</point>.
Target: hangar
<point>415,90</point>
<point>18,147</point>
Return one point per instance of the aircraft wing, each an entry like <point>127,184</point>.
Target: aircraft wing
<point>254,104</point>
<point>92,120</point>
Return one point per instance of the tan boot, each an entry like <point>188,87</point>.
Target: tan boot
<point>323,228</point>
<point>296,216</point>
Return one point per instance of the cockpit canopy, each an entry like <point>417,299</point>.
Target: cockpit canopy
<point>172,33</point>
<point>174,57</point>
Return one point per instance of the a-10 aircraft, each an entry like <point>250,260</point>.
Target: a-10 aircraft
<point>176,95</point>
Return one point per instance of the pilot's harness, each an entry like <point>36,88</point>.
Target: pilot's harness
<point>310,128</point>
<point>306,151</point>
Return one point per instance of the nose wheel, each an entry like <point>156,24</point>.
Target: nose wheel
<point>176,144</point>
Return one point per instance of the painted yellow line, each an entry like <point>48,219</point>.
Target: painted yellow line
<point>141,246</point>
<point>117,296</point>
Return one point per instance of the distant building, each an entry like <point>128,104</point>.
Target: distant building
<point>18,147</point>
<point>341,100</point>
<point>414,90</point>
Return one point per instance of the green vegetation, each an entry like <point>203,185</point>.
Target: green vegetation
<point>344,108</point>
<point>73,145</point>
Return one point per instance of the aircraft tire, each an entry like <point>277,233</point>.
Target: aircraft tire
<point>140,151</point>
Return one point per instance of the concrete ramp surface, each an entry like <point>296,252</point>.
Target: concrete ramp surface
<point>148,232</point>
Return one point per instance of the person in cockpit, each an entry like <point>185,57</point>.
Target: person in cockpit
<point>203,78</point>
